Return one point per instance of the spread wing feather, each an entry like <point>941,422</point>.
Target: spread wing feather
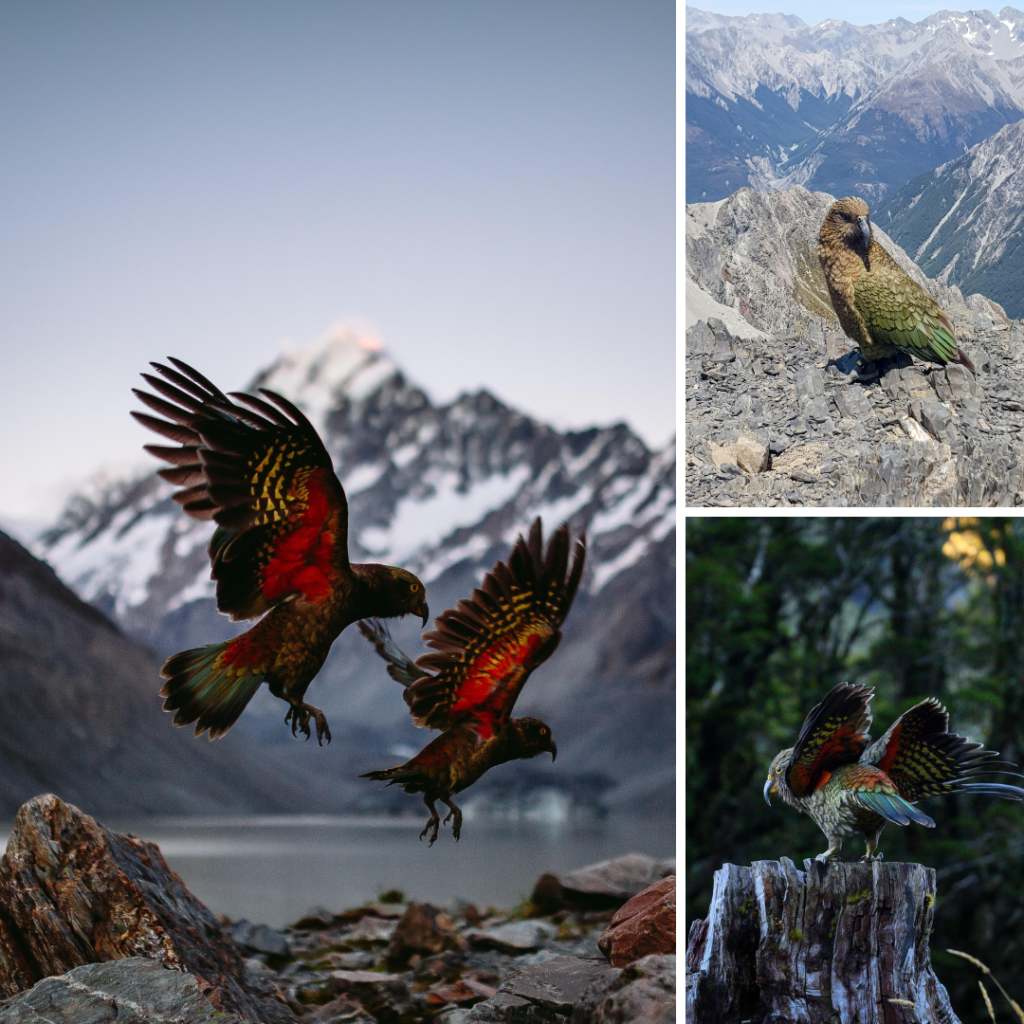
<point>485,648</point>
<point>257,468</point>
<point>834,733</point>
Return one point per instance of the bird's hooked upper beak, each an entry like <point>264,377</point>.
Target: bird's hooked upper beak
<point>865,230</point>
<point>769,787</point>
<point>554,750</point>
<point>424,611</point>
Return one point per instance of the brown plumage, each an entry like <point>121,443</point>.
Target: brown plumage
<point>258,469</point>
<point>484,651</point>
<point>879,305</point>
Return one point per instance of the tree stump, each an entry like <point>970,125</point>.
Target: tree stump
<point>832,944</point>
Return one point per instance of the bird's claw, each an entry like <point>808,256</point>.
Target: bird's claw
<point>456,824</point>
<point>300,714</point>
<point>869,858</point>
<point>431,827</point>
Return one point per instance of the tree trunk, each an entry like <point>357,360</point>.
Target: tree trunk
<point>842,944</point>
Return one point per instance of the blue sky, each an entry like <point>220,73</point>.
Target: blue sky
<point>865,13</point>
<point>488,187</point>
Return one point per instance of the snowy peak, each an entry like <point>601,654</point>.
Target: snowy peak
<point>430,487</point>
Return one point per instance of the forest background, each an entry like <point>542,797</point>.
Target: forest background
<point>780,610</point>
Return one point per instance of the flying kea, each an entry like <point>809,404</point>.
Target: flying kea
<point>258,469</point>
<point>847,786</point>
<point>879,305</point>
<point>484,651</point>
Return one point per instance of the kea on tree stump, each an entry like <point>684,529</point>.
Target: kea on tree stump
<point>879,305</point>
<point>847,786</point>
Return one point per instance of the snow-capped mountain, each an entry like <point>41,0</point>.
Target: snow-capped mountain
<point>442,490</point>
<point>964,221</point>
<point>773,102</point>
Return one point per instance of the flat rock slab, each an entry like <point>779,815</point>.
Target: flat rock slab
<point>644,925</point>
<point>556,984</point>
<point>131,991</point>
<point>643,993</point>
<point>604,885</point>
<point>74,893</point>
<point>514,937</point>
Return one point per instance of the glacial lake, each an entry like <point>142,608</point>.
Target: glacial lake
<point>271,870</point>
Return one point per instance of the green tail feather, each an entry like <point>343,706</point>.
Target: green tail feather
<point>201,688</point>
<point>894,808</point>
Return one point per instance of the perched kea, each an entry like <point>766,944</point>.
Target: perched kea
<point>847,784</point>
<point>879,306</point>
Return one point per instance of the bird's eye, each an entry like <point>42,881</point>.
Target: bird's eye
<point>778,769</point>
<point>414,585</point>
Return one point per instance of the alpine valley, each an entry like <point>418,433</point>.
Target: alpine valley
<point>772,102</point>
<point>442,490</point>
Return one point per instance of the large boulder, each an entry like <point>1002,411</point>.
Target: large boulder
<point>644,925</point>
<point>605,885</point>
<point>130,991</point>
<point>73,893</point>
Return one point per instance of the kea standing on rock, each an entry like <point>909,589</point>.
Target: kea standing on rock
<point>879,306</point>
<point>847,786</point>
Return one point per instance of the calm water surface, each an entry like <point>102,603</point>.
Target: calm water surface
<point>271,870</point>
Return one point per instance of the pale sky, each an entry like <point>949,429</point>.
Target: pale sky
<point>867,12</point>
<point>489,187</point>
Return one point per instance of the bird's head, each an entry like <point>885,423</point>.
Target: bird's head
<point>390,592</point>
<point>776,782</point>
<point>848,221</point>
<point>534,737</point>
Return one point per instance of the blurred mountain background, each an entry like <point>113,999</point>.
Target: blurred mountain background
<point>440,489</point>
<point>780,610</point>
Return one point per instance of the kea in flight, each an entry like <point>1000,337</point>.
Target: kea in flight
<point>879,305</point>
<point>257,468</point>
<point>848,786</point>
<point>484,651</point>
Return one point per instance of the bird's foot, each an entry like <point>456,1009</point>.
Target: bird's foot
<point>300,714</point>
<point>457,823</point>
<point>432,826</point>
<point>869,857</point>
<point>828,855</point>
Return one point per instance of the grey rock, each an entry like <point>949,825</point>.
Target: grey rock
<point>514,937</point>
<point>260,938</point>
<point>809,382</point>
<point>544,992</point>
<point>609,883</point>
<point>642,993</point>
<point>130,991</point>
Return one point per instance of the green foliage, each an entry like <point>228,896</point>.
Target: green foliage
<point>391,896</point>
<point>780,610</point>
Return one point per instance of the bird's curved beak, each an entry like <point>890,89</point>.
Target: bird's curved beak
<point>865,231</point>
<point>424,611</point>
<point>769,787</point>
<point>554,750</point>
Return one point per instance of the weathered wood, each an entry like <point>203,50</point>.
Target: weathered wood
<point>836,944</point>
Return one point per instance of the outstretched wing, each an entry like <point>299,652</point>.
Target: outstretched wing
<point>486,648</point>
<point>401,667</point>
<point>923,759</point>
<point>261,472</point>
<point>833,734</point>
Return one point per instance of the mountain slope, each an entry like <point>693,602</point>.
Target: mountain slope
<point>964,221</point>
<point>442,490</point>
<point>81,716</point>
<point>773,102</point>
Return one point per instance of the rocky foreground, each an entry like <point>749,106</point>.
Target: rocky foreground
<point>94,926</point>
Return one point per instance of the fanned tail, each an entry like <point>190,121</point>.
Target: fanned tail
<point>894,808</point>
<point>210,685</point>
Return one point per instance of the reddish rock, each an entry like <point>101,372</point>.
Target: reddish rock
<point>644,925</point>
<point>75,893</point>
<point>424,930</point>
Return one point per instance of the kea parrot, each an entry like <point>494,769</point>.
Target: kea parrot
<point>847,786</point>
<point>257,468</point>
<point>879,305</point>
<point>484,651</point>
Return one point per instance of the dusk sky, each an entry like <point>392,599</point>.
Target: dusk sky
<point>488,187</point>
<point>868,12</point>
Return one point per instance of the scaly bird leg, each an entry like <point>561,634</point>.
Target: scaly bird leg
<point>455,813</point>
<point>872,844</point>
<point>300,714</point>
<point>433,824</point>
<point>832,853</point>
